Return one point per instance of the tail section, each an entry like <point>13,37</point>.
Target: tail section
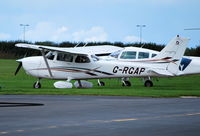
<point>173,53</point>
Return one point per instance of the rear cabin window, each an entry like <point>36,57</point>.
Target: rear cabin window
<point>128,55</point>
<point>143,55</point>
<point>82,59</point>
<point>65,57</point>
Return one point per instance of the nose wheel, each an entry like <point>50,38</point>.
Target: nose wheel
<point>37,85</point>
<point>126,83</point>
<point>101,83</point>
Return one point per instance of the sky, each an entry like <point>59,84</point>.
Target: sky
<point>100,20</point>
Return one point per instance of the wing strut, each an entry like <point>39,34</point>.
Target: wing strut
<point>46,62</point>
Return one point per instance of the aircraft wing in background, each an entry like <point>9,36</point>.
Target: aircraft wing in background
<point>97,50</point>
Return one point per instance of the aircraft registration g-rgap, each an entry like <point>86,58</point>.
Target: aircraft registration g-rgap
<point>82,63</point>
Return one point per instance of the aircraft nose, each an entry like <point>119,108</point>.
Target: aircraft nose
<point>30,64</point>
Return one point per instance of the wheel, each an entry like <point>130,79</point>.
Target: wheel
<point>126,83</point>
<point>37,85</point>
<point>148,83</point>
<point>101,83</point>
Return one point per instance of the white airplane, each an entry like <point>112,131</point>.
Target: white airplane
<point>79,64</point>
<point>189,64</point>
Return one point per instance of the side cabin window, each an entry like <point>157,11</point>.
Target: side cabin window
<point>153,55</point>
<point>65,57</point>
<point>143,55</point>
<point>82,59</point>
<point>50,55</point>
<point>128,55</point>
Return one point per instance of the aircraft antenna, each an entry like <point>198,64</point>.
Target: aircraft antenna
<point>142,45</point>
<point>85,44</point>
<point>76,45</point>
<point>192,29</point>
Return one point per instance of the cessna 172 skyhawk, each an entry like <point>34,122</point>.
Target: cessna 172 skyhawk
<point>71,64</point>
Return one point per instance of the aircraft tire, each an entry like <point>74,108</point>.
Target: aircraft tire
<point>37,85</point>
<point>148,83</point>
<point>101,83</point>
<point>126,83</point>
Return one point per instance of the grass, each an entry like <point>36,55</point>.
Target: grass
<point>165,87</point>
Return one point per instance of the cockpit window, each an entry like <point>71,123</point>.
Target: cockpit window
<point>153,55</point>
<point>95,58</point>
<point>115,54</point>
<point>128,55</point>
<point>143,55</point>
<point>50,55</point>
<point>82,59</point>
<point>65,57</point>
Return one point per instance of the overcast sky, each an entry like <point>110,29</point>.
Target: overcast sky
<point>100,20</point>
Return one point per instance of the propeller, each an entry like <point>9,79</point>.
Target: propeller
<point>18,68</point>
<point>20,63</point>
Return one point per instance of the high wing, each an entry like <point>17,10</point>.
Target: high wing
<point>97,50</point>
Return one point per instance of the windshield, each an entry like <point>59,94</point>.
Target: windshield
<point>94,58</point>
<point>115,54</point>
<point>50,55</point>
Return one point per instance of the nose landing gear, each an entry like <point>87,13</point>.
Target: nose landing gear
<point>100,83</point>
<point>126,82</point>
<point>37,85</point>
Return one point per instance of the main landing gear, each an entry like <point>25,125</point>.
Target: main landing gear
<point>37,84</point>
<point>148,82</point>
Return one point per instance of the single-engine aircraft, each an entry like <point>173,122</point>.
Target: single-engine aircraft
<point>189,64</point>
<point>78,64</point>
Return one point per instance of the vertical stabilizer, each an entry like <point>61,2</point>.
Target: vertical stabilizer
<point>173,53</point>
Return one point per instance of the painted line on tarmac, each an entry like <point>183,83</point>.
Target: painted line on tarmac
<point>146,118</point>
<point>122,120</point>
<point>90,122</point>
<point>3,132</point>
<point>189,97</point>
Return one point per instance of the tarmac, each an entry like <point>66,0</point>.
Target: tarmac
<point>52,115</point>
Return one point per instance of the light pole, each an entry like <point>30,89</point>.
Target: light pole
<point>24,29</point>
<point>140,26</point>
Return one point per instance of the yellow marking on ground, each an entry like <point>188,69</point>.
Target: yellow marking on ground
<point>123,120</point>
